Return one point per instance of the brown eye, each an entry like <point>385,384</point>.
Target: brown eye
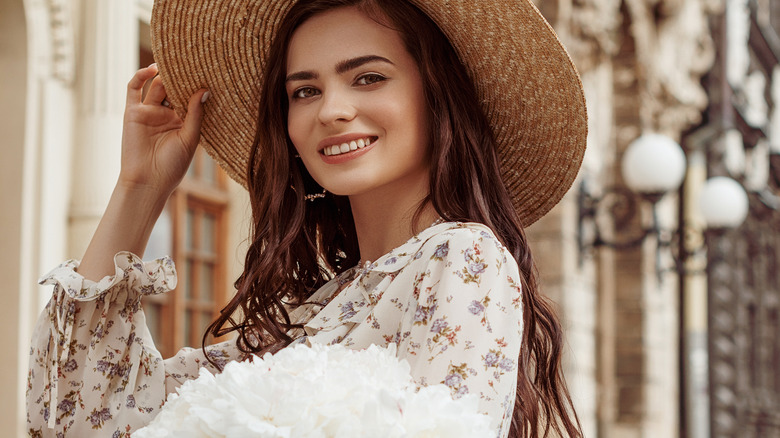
<point>370,78</point>
<point>305,92</point>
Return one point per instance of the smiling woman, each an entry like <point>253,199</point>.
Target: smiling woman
<point>393,165</point>
<point>356,82</point>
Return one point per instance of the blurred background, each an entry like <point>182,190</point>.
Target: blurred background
<point>663,257</point>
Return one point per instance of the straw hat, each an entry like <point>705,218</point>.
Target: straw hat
<point>525,81</point>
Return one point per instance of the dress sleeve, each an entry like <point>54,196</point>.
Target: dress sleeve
<point>463,324</point>
<point>94,370</point>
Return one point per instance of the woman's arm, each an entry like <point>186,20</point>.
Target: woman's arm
<point>157,148</point>
<point>94,370</point>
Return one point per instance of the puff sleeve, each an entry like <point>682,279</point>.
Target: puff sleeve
<point>463,324</point>
<point>94,369</point>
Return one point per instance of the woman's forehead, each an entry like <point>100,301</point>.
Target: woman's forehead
<point>332,37</point>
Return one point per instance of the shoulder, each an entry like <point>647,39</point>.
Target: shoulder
<point>470,252</point>
<point>465,261</point>
<point>450,244</point>
<point>467,239</point>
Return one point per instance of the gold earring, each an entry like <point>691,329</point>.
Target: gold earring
<point>315,196</point>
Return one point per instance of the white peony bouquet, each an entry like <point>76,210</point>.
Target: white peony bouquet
<point>317,391</point>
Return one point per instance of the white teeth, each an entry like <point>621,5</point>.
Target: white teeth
<point>338,149</point>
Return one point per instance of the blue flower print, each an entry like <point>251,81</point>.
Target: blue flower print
<point>439,325</point>
<point>347,310</point>
<point>441,251</point>
<point>491,359</point>
<point>391,260</point>
<point>419,314</point>
<point>103,366</point>
<point>476,268</point>
<point>70,366</point>
<point>423,313</point>
<point>67,407</point>
<point>506,364</point>
<point>452,380</point>
<point>476,307</point>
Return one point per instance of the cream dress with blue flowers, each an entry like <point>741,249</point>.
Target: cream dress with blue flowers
<point>450,298</point>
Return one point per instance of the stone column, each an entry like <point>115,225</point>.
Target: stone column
<point>108,59</point>
<point>13,64</point>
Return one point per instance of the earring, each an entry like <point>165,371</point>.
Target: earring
<point>315,196</point>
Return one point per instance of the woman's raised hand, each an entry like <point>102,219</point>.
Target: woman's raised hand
<point>157,146</point>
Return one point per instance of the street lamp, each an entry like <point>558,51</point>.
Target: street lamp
<point>723,203</point>
<point>652,166</point>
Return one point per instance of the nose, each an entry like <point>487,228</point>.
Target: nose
<point>335,106</point>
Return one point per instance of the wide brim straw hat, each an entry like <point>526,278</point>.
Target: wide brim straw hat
<point>526,83</point>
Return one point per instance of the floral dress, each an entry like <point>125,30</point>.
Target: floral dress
<point>449,298</point>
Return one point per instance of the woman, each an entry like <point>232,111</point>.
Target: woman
<point>398,149</point>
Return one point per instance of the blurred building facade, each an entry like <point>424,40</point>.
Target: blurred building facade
<point>678,335</point>
<point>693,352</point>
<point>744,294</point>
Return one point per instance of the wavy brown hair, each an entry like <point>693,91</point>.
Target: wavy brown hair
<point>296,248</point>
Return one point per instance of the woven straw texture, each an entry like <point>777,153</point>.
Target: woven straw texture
<point>525,80</point>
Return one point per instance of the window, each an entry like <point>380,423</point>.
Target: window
<point>192,230</point>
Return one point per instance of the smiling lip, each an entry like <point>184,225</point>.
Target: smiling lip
<point>344,139</point>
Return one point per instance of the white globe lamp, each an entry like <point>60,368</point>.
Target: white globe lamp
<point>653,165</point>
<point>723,203</point>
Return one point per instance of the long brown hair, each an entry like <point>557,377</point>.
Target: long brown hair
<point>295,250</point>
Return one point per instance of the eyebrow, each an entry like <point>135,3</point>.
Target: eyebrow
<point>341,67</point>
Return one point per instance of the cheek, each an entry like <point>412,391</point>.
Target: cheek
<point>414,121</point>
<point>295,129</point>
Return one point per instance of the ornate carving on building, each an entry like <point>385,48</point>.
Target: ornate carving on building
<point>52,38</point>
<point>674,50</point>
<point>61,40</point>
<point>592,30</point>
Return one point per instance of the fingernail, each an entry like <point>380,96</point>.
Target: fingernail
<point>154,64</point>
<point>205,97</point>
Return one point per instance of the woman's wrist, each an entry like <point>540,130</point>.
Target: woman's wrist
<point>149,196</point>
<point>125,226</point>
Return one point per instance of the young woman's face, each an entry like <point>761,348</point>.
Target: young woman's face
<point>357,110</point>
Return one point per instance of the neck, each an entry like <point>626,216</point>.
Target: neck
<point>384,218</point>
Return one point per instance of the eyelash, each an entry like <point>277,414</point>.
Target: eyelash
<point>297,93</point>
<point>370,78</point>
<point>376,76</point>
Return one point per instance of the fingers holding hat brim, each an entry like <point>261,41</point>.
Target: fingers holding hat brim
<point>156,94</point>
<point>146,87</point>
<point>135,88</point>
<point>190,131</point>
